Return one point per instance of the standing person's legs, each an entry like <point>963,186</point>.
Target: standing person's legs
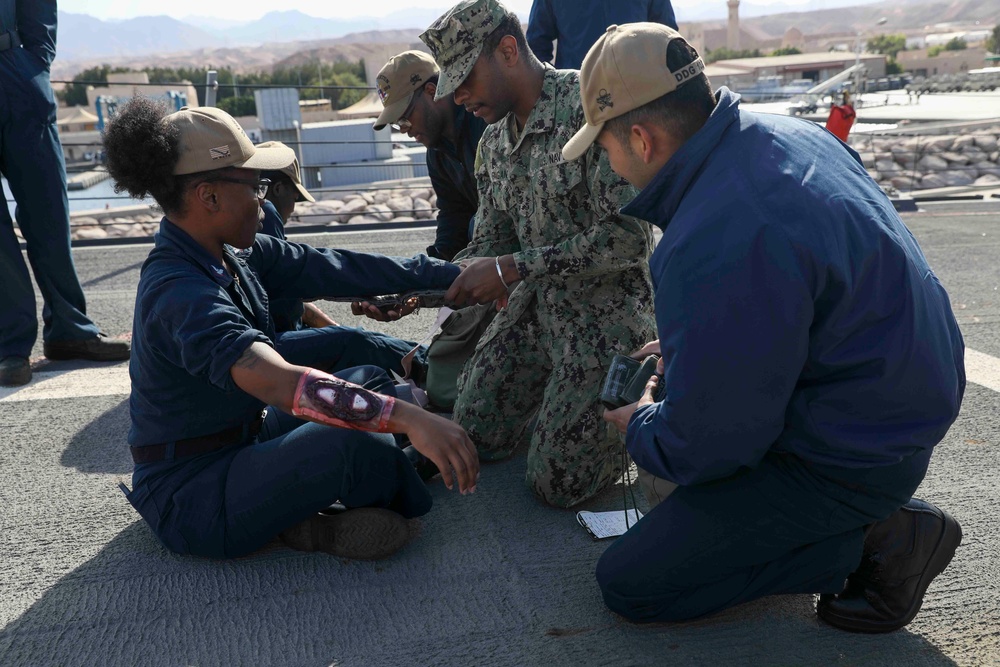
<point>33,164</point>
<point>574,453</point>
<point>500,388</point>
<point>783,527</point>
<point>18,323</point>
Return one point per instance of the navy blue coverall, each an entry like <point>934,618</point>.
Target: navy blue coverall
<point>330,348</point>
<point>193,321</point>
<point>812,363</point>
<point>576,25</point>
<point>31,160</point>
<point>452,169</point>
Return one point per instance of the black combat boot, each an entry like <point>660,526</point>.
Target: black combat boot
<point>902,555</point>
<point>365,533</point>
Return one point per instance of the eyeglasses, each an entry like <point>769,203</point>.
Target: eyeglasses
<point>403,123</point>
<point>260,186</point>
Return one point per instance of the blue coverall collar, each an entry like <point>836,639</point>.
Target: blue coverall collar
<point>171,234</point>
<point>658,201</point>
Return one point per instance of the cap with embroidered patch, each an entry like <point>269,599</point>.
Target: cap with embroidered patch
<point>399,80</point>
<point>212,139</point>
<point>456,40</point>
<point>626,69</point>
<point>291,170</point>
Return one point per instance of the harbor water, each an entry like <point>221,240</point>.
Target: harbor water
<point>99,196</point>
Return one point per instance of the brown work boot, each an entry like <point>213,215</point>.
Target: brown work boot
<point>902,555</point>
<point>98,348</point>
<point>365,533</point>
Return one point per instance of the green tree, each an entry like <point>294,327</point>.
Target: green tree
<point>955,44</point>
<point>993,41</point>
<point>889,45</point>
<point>722,53</point>
<point>785,51</point>
<point>341,83</point>
<point>244,105</point>
<point>75,94</point>
<point>893,67</point>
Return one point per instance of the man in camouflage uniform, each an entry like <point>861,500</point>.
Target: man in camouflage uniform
<point>550,245</point>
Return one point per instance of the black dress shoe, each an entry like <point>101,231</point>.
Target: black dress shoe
<point>901,556</point>
<point>99,348</point>
<point>14,371</point>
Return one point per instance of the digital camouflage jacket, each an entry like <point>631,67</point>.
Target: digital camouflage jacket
<point>582,262</point>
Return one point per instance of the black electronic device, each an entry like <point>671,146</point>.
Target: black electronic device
<point>626,381</point>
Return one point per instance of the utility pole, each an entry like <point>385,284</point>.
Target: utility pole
<point>857,63</point>
<point>211,87</point>
<point>319,67</point>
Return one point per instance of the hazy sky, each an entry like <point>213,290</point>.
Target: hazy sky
<point>253,9</point>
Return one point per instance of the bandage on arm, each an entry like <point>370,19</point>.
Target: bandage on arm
<point>325,399</point>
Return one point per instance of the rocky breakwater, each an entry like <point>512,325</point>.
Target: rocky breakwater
<point>394,205</point>
<point>905,163</point>
<point>397,205</point>
<point>926,162</point>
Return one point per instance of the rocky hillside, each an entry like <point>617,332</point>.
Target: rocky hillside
<point>901,16</point>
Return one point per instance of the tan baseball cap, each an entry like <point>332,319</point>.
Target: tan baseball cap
<point>212,139</point>
<point>399,80</point>
<point>456,40</point>
<point>624,70</point>
<point>291,170</point>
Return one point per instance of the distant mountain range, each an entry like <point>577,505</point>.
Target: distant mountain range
<point>85,38</point>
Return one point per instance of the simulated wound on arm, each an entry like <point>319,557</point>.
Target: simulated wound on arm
<point>325,399</point>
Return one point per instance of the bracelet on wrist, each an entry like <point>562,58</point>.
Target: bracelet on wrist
<point>500,273</point>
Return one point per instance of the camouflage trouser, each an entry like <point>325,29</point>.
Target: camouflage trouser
<point>521,374</point>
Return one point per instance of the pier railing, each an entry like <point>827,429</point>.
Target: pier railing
<point>898,163</point>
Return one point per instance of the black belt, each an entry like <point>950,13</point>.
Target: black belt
<point>203,444</point>
<point>9,40</point>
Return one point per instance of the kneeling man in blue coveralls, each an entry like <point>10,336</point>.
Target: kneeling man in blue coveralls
<point>810,357</point>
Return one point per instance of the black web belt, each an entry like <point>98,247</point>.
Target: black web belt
<point>9,40</point>
<point>202,444</point>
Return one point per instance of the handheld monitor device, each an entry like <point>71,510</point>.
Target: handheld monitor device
<point>626,381</point>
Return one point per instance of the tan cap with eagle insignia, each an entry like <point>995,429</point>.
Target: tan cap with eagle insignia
<point>398,80</point>
<point>625,69</point>
<point>212,139</point>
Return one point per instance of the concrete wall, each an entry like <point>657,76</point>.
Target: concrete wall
<point>946,62</point>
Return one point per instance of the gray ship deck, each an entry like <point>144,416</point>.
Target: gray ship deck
<point>493,579</point>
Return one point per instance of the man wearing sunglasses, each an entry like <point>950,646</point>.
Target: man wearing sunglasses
<point>451,134</point>
<point>282,194</point>
<point>305,334</point>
